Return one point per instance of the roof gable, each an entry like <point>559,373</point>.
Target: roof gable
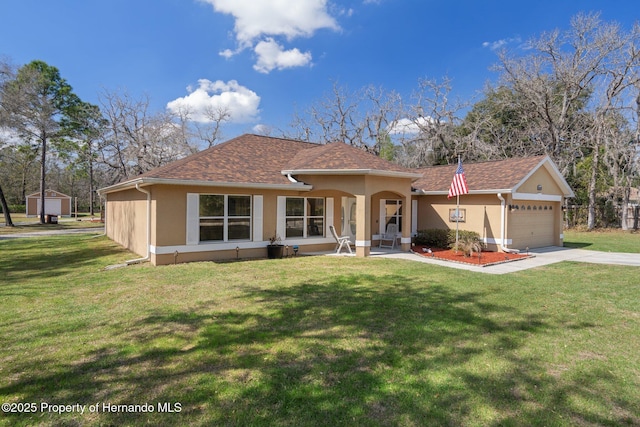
<point>49,193</point>
<point>340,157</point>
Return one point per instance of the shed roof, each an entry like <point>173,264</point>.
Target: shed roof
<point>58,195</point>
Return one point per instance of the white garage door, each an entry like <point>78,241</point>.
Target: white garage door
<point>532,226</point>
<point>51,206</point>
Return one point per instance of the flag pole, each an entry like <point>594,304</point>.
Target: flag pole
<point>457,218</point>
<point>457,211</point>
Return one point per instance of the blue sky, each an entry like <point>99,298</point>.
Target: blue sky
<point>263,59</point>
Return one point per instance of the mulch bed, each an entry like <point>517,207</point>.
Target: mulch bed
<point>483,259</point>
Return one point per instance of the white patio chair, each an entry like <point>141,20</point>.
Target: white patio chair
<point>341,242</point>
<point>388,239</point>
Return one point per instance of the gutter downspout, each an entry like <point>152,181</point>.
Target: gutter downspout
<point>502,245</point>
<point>148,257</point>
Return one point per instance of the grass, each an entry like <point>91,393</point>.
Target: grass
<point>607,240</point>
<point>313,341</point>
<point>23,224</point>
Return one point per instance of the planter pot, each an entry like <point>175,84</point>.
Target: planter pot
<point>274,251</point>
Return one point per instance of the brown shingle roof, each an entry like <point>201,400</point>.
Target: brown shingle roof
<point>341,156</point>
<point>250,159</point>
<point>261,160</point>
<point>255,159</point>
<point>492,175</point>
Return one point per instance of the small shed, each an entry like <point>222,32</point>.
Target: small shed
<point>55,203</point>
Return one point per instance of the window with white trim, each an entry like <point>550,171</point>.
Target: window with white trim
<point>393,213</point>
<point>304,217</point>
<point>224,217</point>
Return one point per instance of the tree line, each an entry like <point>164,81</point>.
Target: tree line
<point>573,95</point>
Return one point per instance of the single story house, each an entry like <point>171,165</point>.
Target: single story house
<point>228,201</point>
<point>55,203</point>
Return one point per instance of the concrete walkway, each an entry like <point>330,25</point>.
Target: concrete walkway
<point>542,256</point>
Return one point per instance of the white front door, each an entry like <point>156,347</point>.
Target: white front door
<point>349,217</point>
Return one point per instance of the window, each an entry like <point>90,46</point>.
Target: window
<point>393,213</point>
<point>304,217</point>
<point>225,217</point>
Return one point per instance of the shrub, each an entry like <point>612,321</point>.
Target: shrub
<point>437,238</point>
<point>14,209</point>
<point>468,242</point>
<point>462,235</point>
<point>445,238</point>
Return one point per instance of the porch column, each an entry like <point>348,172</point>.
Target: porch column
<point>363,225</point>
<point>407,214</point>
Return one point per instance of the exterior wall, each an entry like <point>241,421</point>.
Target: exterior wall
<point>126,220</point>
<point>126,217</point>
<point>169,236</point>
<point>482,215</point>
<point>32,206</point>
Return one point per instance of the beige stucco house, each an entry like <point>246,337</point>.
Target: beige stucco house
<point>229,200</point>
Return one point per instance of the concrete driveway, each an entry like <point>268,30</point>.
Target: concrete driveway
<point>542,256</point>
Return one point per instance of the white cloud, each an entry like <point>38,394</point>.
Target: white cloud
<point>498,44</point>
<point>241,103</point>
<point>271,55</point>
<point>262,129</point>
<point>288,18</point>
<point>408,126</point>
<point>259,22</point>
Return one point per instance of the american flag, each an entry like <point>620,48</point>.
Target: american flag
<point>459,183</point>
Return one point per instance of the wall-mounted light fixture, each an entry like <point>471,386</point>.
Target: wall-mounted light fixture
<point>539,187</point>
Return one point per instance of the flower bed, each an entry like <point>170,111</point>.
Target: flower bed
<point>483,258</point>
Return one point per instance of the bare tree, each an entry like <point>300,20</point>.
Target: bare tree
<point>428,134</point>
<point>573,83</point>
<point>361,118</point>
<point>557,78</point>
<point>135,140</point>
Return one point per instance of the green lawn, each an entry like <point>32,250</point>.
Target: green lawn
<point>607,240</point>
<point>312,341</point>
<point>31,224</point>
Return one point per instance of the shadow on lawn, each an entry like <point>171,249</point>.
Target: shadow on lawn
<point>62,254</point>
<point>357,350</point>
<point>576,245</point>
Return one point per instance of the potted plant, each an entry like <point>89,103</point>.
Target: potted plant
<point>275,247</point>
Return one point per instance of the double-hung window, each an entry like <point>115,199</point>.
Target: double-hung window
<point>304,217</point>
<point>224,217</point>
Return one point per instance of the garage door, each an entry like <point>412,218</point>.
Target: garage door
<point>532,225</point>
<point>51,206</point>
